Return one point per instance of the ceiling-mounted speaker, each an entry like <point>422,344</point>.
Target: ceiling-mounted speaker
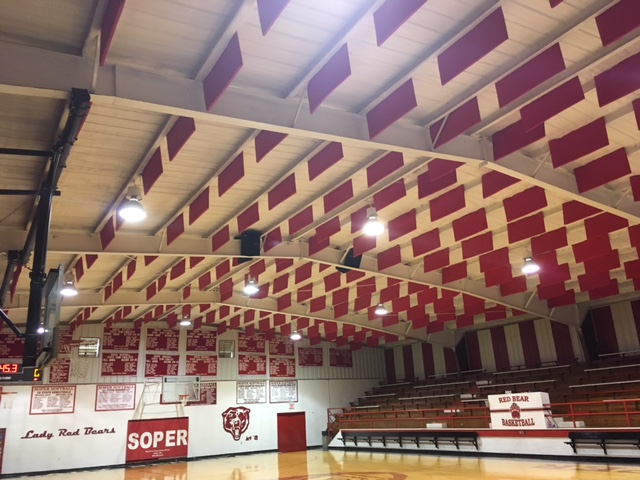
<point>249,245</point>
<point>350,261</point>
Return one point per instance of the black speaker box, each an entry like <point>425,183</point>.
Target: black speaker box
<point>249,245</point>
<point>350,261</point>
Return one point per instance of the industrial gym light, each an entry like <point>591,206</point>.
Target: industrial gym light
<point>185,322</point>
<point>132,210</point>
<point>381,310</point>
<point>530,267</point>
<point>69,287</point>
<point>295,336</point>
<point>251,287</point>
<point>373,227</point>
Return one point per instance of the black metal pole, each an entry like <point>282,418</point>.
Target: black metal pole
<point>12,262</point>
<point>25,153</point>
<point>9,323</point>
<point>78,110</point>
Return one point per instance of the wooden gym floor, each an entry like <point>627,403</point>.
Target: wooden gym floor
<point>337,465</point>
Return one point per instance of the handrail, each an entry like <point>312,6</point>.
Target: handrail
<point>340,418</point>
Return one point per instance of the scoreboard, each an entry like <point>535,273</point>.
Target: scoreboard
<point>13,372</point>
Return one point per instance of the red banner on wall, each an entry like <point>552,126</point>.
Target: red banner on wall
<point>340,357</point>
<point>252,365</point>
<point>162,340</point>
<point>161,365</point>
<point>59,370</point>
<point>251,343</point>
<point>201,341</point>
<point>114,364</point>
<point>282,367</point>
<point>121,339</point>
<point>155,439</point>
<point>204,365</point>
<point>282,346</point>
<point>310,357</point>
<point>11,346</point>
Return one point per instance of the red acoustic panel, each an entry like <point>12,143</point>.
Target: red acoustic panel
<point>436,261</point>
<point>389,293</point>
<point>305,293</point>
<point>578,143</point>
<point>498,276</point>
<point>636,111</point>
<point>362,303</point>
<point>338,196</point>
<point>303,272</point>
<point>199,206</point>
<point>389,258</point>
<point>266,141</point>
<point>444,305</point>
<point>515,137</point>
<point>281,283</point>
<point>398,103</point>
<point>193,262</point>
<point>608,84</point>
<point>426,242</point>
<point>478,245</point>
<point>257,269</point>
<point>516,285</point>
<point>328,78</point>
<point>605,263</point>
<point>524,203</point>
<point>573,211</point>
<point>152,171</point>
<point>324,159</point>
<point>284,302</point>
<point>496,259</point>
<point>247,218</point>
<point>457,122</point>
<point>366,287</point>
<point>231,175</point>
<point>363,244</point>
<point>551,276</point>
<point>470,224</point>
<point>591,282</point>
<point>268,13</point>
<point>340,310</point>
<point>438,167</point>
<point>391,15</point>
<point>301,220</point>
<point>447,203</point>
<point>401,304</point>
<point>472,305</point>
<point>179,134</point>
<point>340,296</point>
<point>328,228</point>
<point>606,291</point>
<point>631,269</point>
<point>634,238</point>
<point>551,104</point>
<point>493,182</point>
<point>591,248</point>
<point>384,167</point>
<point>148,260</point>
<point>331,282</point>
<point>481,40</point>
<point>547,260</point>
<point>526,228</point>
<point>318,304</point>
<point>223,72</point>
<point>108,27</point>
<point>108,233</point>
<point>389,195</point>
<point>617,21</point>
<point>222,269</point>
<point>272,239</point>
<point>317,245</point>
<point>603,170</point>
<point>634,180</point>
<point>603,224</point>
<point>528,76</point>
<point>427,296</point>
<point>358,219</point>
<point>175,229</point>
<point>428,186</point>
<point>454,272</point>
<point>285,189</point>
<point>567,298</point>
<point>402,225</point>
<point>220,238</point>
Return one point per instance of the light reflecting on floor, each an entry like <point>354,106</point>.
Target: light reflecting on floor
<point>337,465</point>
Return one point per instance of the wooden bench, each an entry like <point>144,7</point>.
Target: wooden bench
<point>455,437</point>
<point>601,439</point>
<point>604,384</point>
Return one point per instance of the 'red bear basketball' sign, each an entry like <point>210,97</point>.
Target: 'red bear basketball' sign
<point>159,438</point>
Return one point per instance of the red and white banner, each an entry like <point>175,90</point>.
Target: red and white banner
<point>155,439</point>
<point>201,341</point>
<point>310,357</point>
<point>115,364</point>
<point>252,365</point>
<point>121,339</point>
<point>163,340</point>
<point>339,357</point>
<point>282,367</point>
<point>59,370</point>
<point>281,346</point>
<point>161,365</point>
<point>11,346</point>
<point>46,400</point>
<point>252,343</point>
<point>118,396</point>
<point>204,365</point>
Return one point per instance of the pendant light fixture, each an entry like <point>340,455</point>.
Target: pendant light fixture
<point>251,287</point>
<point>373,227</point>
<point>132,210</point>
<point>530,266</point>
<point>295,336</point>
<point>381,310</point>
<point>69,288</point>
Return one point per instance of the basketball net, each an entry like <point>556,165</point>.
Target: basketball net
<point>183,399</point>
<point>78,366</point>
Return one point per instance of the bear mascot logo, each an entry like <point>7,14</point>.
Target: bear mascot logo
<point>515,410</point>
<point>235,420</point>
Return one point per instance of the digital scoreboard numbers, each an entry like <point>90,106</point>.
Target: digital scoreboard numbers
<point>10,368</point>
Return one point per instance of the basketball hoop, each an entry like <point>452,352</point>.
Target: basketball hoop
<point>183,399</point>
<point>78,365</point>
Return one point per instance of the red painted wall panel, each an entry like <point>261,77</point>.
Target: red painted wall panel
<point>473,351</point>
<point>500,352</point>
<point>407,357</point>
<point>529,342</point>
<point>605,330</point>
